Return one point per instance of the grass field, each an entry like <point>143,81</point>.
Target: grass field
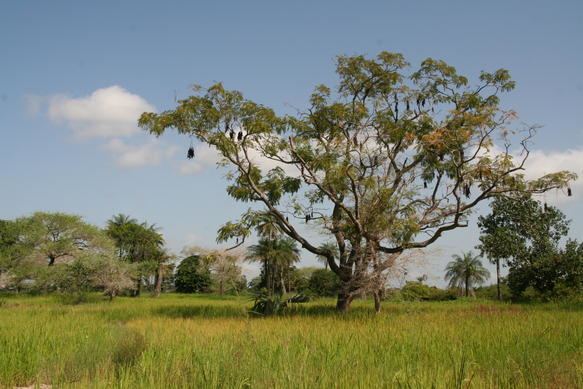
<point>207,342</point>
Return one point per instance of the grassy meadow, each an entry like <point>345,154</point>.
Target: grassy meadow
<point>207,342</point>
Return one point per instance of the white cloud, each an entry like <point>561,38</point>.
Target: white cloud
<point>541,162</point>
<point>105,113</point>
<point>147,154</point>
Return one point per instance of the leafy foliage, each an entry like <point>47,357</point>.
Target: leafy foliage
<point>466,271</point>
<point>389,160</point>
<point>192,276</point>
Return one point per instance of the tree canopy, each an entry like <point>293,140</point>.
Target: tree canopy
<point>389,160</point>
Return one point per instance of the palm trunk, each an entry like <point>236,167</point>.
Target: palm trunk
<point>498,280</point>
<point>467,286</point>
<point>158,288</point>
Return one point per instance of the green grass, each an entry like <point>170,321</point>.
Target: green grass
<point>207,342</point>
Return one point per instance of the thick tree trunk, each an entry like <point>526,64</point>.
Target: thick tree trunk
<point>343,302</point>
<point>377,301</point>
<point>498,279</point>
<point>467,286</point>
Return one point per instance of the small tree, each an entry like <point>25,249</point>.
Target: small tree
<point>192,276</point>
<point>388,162</point>
<point>112,277</point>
<point>466,271</point>
<point>524,234</point>
<point>324,282</point>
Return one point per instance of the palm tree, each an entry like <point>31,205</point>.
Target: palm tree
<point>330,246</point>
<point>466,271</point>
<point>276,256</point>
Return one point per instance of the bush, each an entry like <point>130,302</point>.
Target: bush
<point>192,276</point>
<point>490,292</point>
<point>324,283</point>
<point>417,291</point>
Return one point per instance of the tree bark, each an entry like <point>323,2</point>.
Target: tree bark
<point>498,280</point>
<point>138,287</point>
<point>343,302</point>
<point>377,301</point>
<point>158,287</point>
<point>467,286</point>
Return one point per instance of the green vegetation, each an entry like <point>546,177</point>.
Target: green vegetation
<point>206,341</point>
<point>389,159</point>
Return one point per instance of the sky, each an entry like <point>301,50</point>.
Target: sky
<point>76,75</point>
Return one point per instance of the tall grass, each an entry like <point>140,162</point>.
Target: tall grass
<point>196,341</point>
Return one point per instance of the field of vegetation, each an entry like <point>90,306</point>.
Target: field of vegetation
<point>207,342</point>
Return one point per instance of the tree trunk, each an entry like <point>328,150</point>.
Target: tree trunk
<point>158,287</point>
<point>498,280</point>
<point>343,302</point>
<point>377,301</point>
<point>138,287</point>
<point>283,290</point>
<point>467,286</point>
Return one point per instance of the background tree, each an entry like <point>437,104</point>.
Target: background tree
<point>140,244</point>
<point>526,235</point>
<point>192,276</point>
<point>388,162</point>
<point>324,282</point>
<point>59,236</point>
<point>327,247</point>
<point>465,272</point>
<point>226,273</point>
<point>276,257</point>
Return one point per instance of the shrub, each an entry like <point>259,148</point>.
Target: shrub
<point>324,283</point>
<point>417,291</point>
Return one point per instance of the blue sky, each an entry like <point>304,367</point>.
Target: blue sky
<point>68,67</point>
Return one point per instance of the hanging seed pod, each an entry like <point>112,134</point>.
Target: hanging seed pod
<point>432,110</point>
<point>425,184</point>
<point>240,135</point>
<point>307,218</point>
<point>569,192</point>
<point>237,241</point>
<point>190,153</point>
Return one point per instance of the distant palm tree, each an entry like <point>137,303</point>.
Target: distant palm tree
<point>466,271</point>
<point>276,257</point>
<point>331,247</point>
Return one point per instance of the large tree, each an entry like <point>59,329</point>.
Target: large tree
<point>389,161</point>
<point>59,236</point>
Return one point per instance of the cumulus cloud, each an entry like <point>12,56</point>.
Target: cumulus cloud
<point>542,162</point>
<point>146,154</point>
<point>105,113</point>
